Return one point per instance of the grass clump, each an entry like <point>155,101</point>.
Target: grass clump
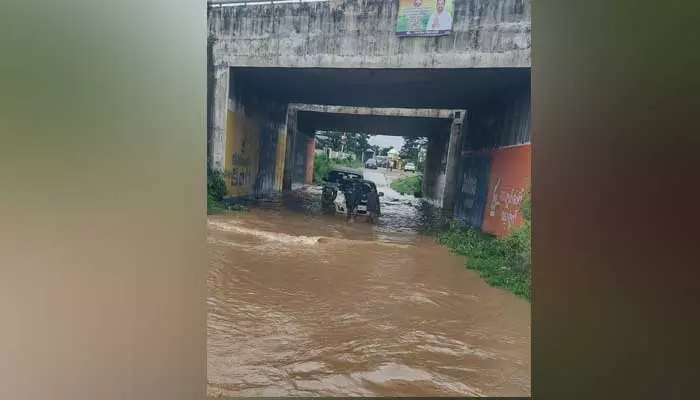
<point>502,262</point>
<point>216,190</point>
<point>410,185</point>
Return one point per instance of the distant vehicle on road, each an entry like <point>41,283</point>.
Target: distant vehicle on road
<point>333,184</point>
<point>367,186</point>
<point>371,163</point>
<point>409,167</point>
<point>381,161</point>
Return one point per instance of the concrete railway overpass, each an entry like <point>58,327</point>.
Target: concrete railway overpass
<point>280,71</point>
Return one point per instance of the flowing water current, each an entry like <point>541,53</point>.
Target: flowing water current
<point>303,303</point>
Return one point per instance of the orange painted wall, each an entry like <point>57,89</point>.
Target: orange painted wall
<point>509,179</point>
<point>310,154</point>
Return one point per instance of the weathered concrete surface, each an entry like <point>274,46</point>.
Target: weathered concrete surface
<point>217,124</point>
<point>435,166</point>
<point>346,52</point>
<point>443,127</point>
<point>501,121</point>
<point>454,154</point>
<point>449,88</point>
<point>374,120</point>
<point>250,146</point>
<point>291,131</point>
<point>378,111</point>
<point>495,128</point>
<point>310,155</point>
<point>372,125</point>
<point>361,34</point>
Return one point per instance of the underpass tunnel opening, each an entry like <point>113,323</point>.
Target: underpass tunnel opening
<point>266,148</point>
<point>436,129</point>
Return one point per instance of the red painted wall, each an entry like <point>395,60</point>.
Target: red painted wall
<point>508,180</point>
<point>310,153</point>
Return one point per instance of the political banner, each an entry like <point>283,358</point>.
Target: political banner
<point>424,17</point>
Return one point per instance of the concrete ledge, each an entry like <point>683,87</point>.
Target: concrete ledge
<point>382,111</point>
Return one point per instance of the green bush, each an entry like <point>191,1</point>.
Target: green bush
<point>518,245</point>
<point>216,187</point>
<point>213,206</point>
<point>502,262</point>
<point>322,166</point>
<point>410,185</point>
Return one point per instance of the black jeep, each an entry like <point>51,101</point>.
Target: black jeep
<point>336,180</point>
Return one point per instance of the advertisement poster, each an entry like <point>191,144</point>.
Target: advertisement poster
<point>425,17</point>
<point>510,178</point>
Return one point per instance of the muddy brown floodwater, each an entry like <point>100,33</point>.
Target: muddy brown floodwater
<point>302,303</point>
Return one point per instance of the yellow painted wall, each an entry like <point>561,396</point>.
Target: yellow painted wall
<point>242,154</point>
<point>281,152</point>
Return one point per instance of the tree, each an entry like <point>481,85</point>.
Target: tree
<point>329,139</point>
<point>355,143</point>
<point>384,151</point>
<point>411,147</point>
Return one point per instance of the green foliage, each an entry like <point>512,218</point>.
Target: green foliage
<point>410,185</point>
<point>216,190</point>
<point>219,207</point>
<point>518,245</point>
<point>501,262</point>
<point>322,166</point>
<point>355,143</point>
<point>411,147</point>
<point>384,151</point>
<point>216,187</point>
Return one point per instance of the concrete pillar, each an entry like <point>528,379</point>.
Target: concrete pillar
<point>290,148</point>
<point>310,154</point>
<point>280,158</point>
<point>454,152</point>
<point>432,188</point>
<point>219,112</point>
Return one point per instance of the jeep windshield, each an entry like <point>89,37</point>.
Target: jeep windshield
<point>338,177</point>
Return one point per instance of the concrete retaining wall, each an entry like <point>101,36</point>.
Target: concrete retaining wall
<point>362,34</point>
<point>495,168</point>
<point>242,154</point>
<point>253,148</point>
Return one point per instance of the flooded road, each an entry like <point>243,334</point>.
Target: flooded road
<point>302,303</point>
